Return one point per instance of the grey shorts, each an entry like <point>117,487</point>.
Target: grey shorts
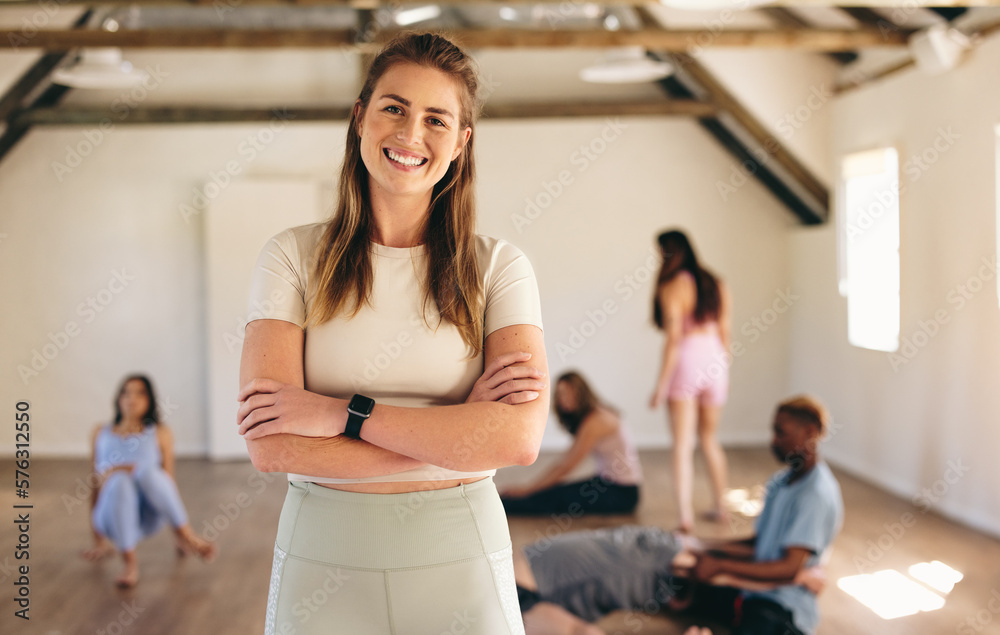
<point>592,573</point>
<point>421,563</point>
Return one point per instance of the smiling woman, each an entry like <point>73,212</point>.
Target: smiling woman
<point>391,471</point>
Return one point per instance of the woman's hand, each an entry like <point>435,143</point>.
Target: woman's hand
<point>503,382</point>
<point>271,407</point>
<point>658,399</point>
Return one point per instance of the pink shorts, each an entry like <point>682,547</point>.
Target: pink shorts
<point>702,370</point>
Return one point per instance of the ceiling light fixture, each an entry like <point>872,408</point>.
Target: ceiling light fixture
<point>938,48</point>
<point>100,68</point>
<point>627,66</point>
<point>406,17</point>
<point>508,13</point>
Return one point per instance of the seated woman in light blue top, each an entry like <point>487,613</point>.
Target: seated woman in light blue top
<point>135,494</point>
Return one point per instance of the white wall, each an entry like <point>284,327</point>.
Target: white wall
<point>918,420</point>
<point>121,210</point>
<point>590,245</point>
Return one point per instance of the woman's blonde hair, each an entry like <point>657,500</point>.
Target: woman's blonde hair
<point>343,276</point>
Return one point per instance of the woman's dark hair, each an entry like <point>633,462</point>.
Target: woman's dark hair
<point>586,401</point>
<point>152,416</point>
<point>678,255</point>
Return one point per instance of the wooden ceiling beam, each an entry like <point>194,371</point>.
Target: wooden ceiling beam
<point>785,18</point>
<point>727,103</point>
<point>31,80</point>
<point>658,39</point>
<point>202,114</point>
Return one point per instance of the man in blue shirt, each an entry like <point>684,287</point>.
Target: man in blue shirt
<point>803,512</point>
<point>578,577</point>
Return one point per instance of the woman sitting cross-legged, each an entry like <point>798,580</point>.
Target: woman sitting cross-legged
<point>599,432</point>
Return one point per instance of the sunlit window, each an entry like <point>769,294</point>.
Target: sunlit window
<point>869,247</point>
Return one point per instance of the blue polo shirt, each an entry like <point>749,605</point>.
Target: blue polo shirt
<point>807,513</point>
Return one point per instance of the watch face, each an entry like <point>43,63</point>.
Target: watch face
<point>361,405</point>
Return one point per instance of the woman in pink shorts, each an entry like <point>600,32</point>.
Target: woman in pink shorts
<point>692,306</point>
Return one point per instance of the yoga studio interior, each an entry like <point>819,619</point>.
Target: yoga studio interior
<point>834,166</point>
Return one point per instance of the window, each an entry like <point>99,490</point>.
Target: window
<point>868,247</point>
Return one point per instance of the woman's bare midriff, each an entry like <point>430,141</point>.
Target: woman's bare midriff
<point>705,328</point>
<point>401,487</point>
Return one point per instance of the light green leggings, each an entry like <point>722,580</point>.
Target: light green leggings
<point>424,563</point>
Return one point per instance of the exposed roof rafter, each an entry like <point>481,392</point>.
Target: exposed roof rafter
<point>659,39</point>
<point>78,115</point>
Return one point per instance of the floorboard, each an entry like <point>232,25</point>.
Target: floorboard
<point>238,507</point>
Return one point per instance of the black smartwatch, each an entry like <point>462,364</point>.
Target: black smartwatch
<point>358,410</point>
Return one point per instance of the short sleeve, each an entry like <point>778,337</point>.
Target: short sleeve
<point>278,287</point>
<point>511,290</point>
<point>810,524</point>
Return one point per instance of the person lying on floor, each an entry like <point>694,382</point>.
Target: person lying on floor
<point>762,585</point>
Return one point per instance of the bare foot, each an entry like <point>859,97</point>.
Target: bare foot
<point>130,575</point>
<point>190,542</point>
<point>697,630</point>
<point>98,552</point>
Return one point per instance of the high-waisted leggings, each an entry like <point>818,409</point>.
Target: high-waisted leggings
<point>422,563</point>
<point>133,506</point>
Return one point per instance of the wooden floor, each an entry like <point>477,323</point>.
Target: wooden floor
<point>70,596</point>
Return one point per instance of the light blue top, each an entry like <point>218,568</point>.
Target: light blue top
<point>807,513</point>
<point>139,449</point>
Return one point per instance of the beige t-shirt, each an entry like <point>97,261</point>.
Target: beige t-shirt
<point>387,351</point>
